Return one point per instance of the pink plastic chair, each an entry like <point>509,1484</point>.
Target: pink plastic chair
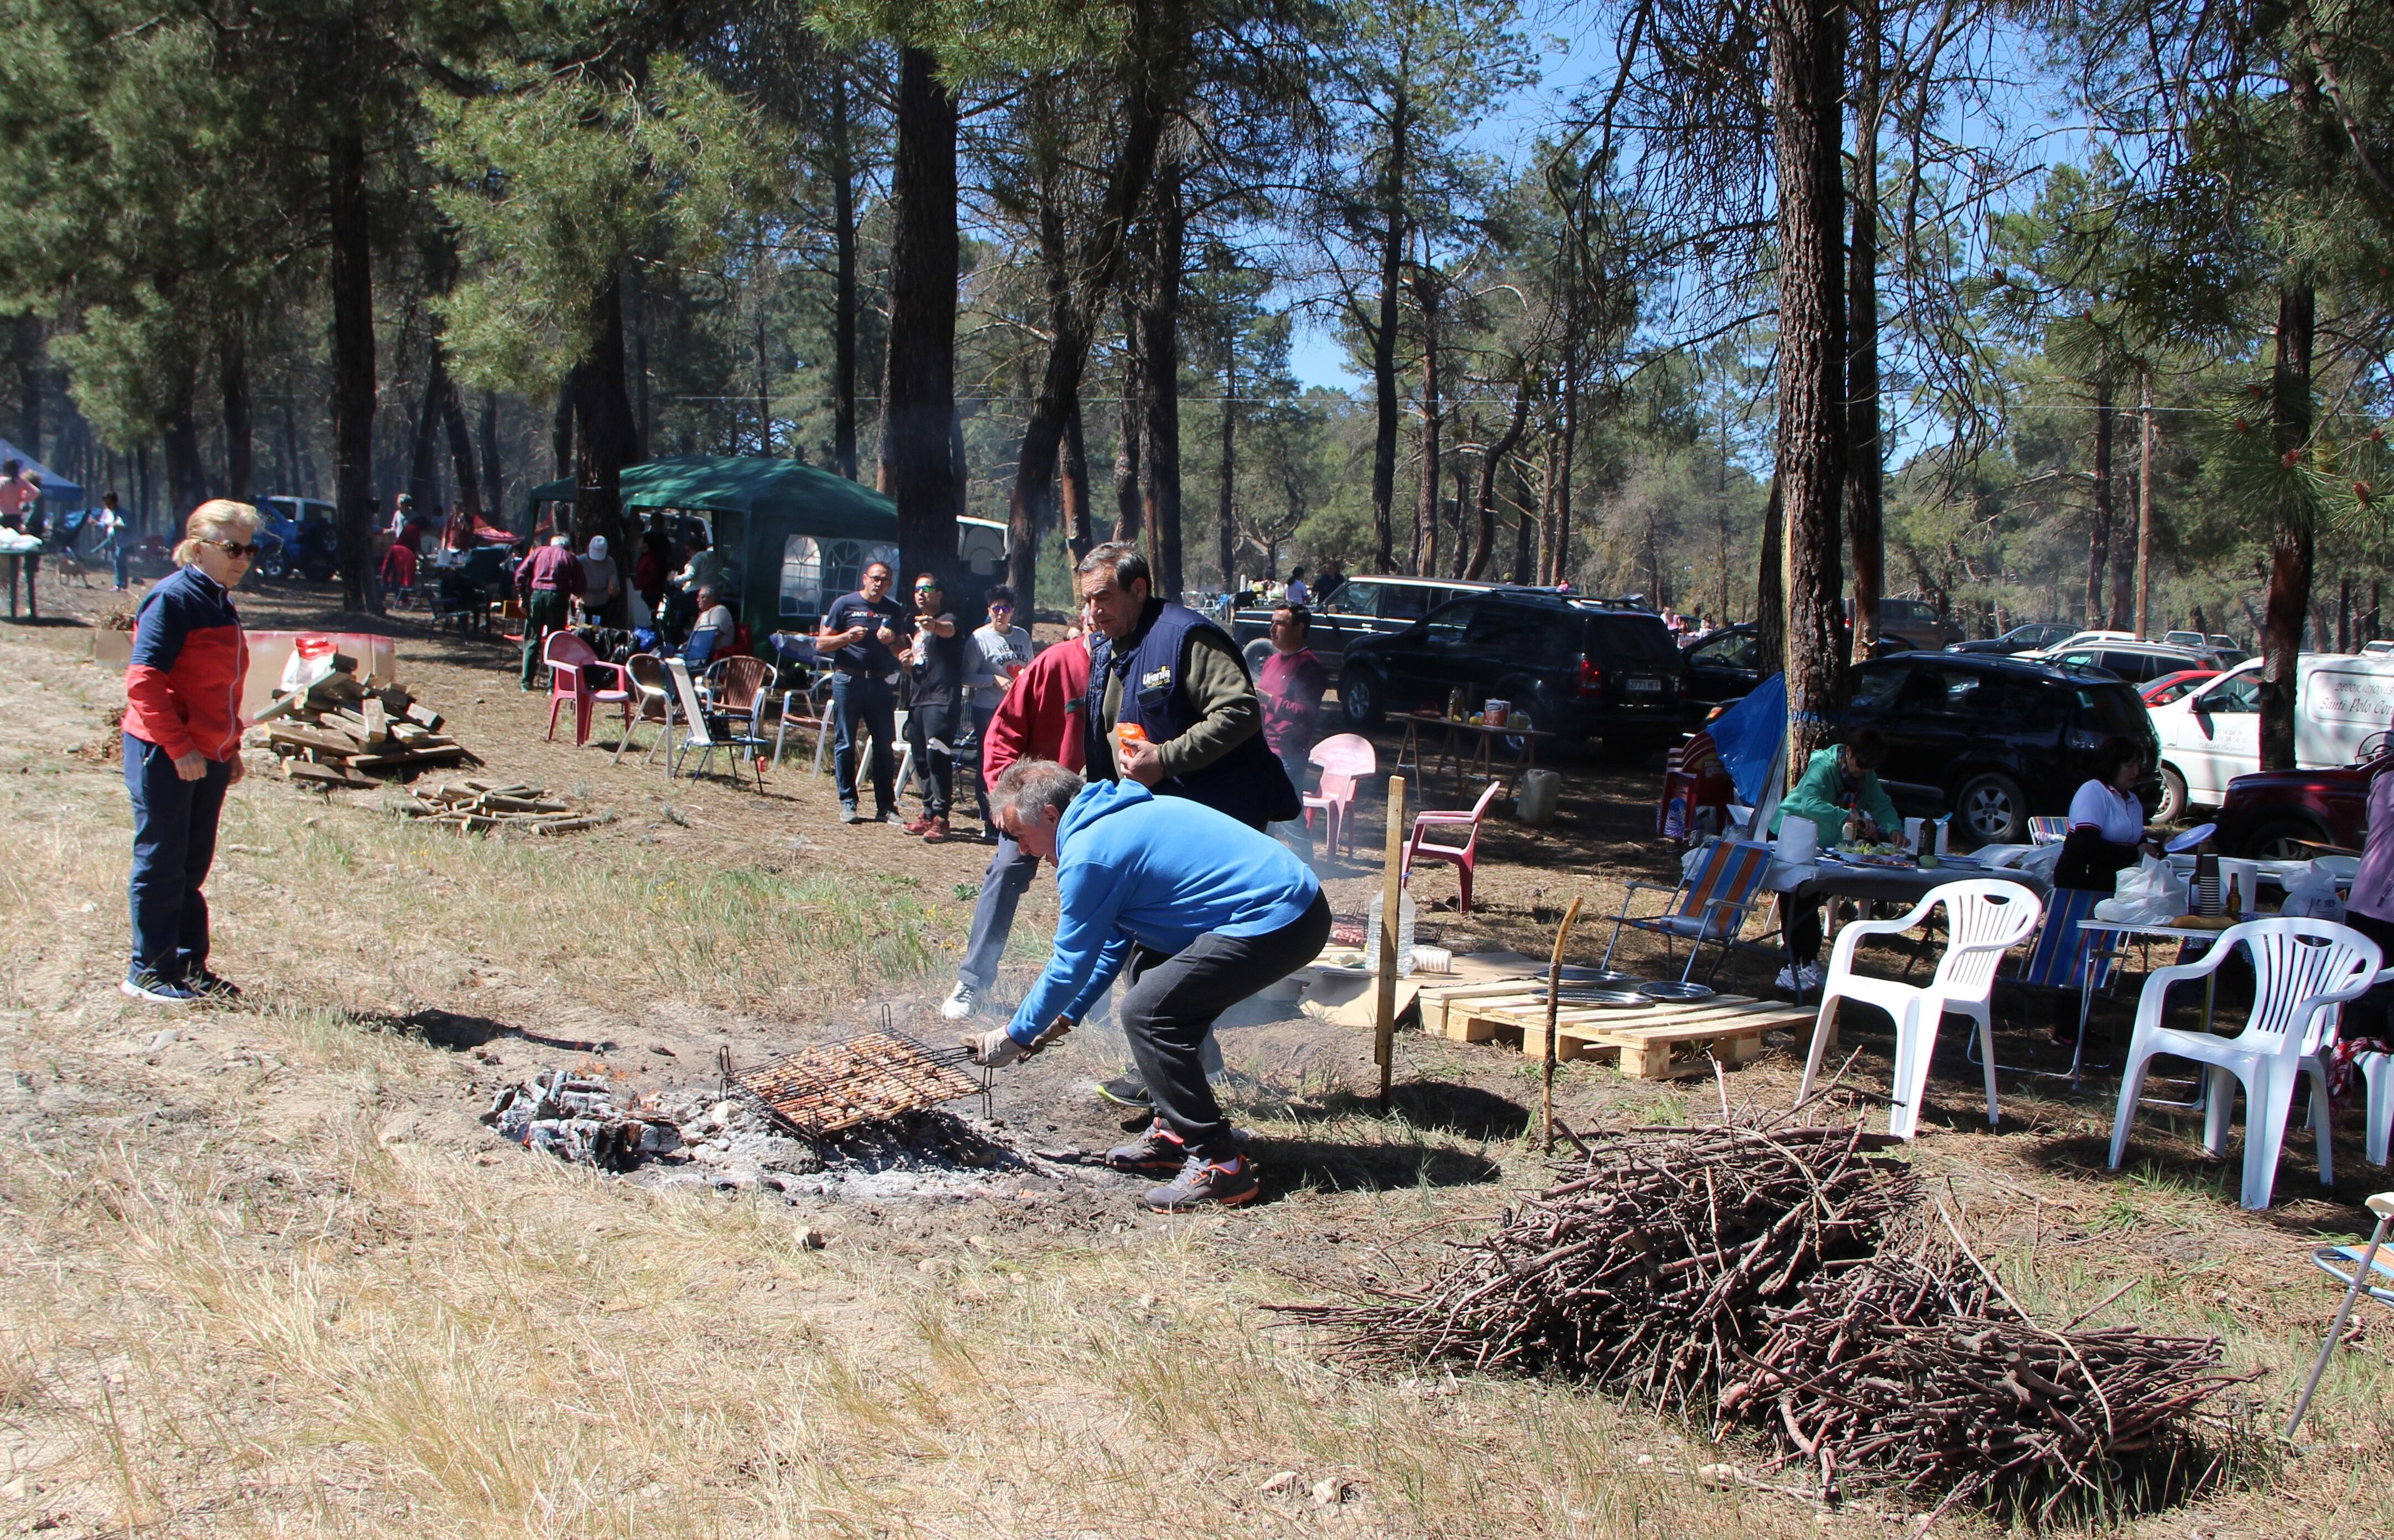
<point>1463,856</point>
<point>1344,760</point>
<point>574,674</point>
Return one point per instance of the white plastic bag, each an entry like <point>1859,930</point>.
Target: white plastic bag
<point>2311,894</point>
<point>2147,895</point>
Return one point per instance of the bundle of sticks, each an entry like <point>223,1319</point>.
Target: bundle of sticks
<point>1786,1278</point>
<point>1917,1368</point>
<point>340,732</point>
<point>479,806</point>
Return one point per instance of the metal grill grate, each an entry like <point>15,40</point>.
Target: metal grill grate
<point>836,1086</point>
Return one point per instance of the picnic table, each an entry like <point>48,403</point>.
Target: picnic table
<point>1468,749</point>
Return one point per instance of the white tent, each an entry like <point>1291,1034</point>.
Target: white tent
<point>55,487</point>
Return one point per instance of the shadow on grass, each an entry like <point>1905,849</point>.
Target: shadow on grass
<point>449,1029</point>
<point>1432,1106</point>
<point>1290,1165</point>
<point>2159,1167</point>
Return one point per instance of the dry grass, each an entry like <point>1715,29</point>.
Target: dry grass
<point>270,1278</point>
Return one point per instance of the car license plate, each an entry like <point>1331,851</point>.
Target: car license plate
<point>1637,686</point>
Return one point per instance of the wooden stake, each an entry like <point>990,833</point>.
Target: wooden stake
<point>1392,899</point>
<point>1554,1000</point>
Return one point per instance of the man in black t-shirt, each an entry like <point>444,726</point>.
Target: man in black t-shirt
<point>935,706</point>
<point>856,636</point>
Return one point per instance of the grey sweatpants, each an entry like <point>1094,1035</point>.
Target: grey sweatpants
<point>1168,1010</point>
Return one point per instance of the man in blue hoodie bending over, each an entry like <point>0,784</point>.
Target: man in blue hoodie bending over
<point>1195,909</point>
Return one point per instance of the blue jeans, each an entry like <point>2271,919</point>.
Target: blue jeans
<point>859,702</point>
<point>174,843</point>
<point>118,554</point>
<point>1009,876</point>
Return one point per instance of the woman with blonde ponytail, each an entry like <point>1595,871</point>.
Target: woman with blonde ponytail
<point>182,749</point>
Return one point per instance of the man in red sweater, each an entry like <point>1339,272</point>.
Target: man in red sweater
<point>1039,719</point>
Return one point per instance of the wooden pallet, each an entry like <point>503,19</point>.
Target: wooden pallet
<point>1658,1043</point>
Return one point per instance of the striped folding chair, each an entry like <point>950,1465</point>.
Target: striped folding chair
<point>1709,906</point>
<point>2065,960</point>
<point>2047,831</point>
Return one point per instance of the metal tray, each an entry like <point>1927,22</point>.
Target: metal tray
<point>1672,990</point>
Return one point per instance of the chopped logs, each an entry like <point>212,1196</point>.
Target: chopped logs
<point>479,806</point>
<point>339,732</point>
<point>1788,1279</point>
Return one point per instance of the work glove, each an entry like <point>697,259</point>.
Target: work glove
<point>996,1048</point>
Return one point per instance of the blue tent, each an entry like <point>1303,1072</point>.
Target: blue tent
<point>1751,738</point>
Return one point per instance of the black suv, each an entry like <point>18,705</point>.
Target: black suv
<point>1994,739</point>
<point>1574,667</point>
<point>1358,608</point>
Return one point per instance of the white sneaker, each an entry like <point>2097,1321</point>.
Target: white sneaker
<point>961,1003</point>
<point>1810,974</point>
<point>1787,978</point>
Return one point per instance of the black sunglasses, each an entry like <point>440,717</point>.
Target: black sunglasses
<point>234,547</point>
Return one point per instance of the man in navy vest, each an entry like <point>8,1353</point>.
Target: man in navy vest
<point>1178,676</point>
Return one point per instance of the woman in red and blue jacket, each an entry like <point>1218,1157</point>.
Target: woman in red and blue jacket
<point>182,748</point>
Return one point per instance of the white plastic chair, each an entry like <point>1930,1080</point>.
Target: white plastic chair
<point>1984,918</point>
<point>2377,1074</point>
<point>694,734</point>
<point>2303,970</point>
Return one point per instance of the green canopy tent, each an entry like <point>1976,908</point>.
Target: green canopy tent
<point>798,536</point>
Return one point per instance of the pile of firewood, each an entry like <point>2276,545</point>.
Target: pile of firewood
<point>479,807</point>
<point>1789,1279</point>
<point>340,732</point>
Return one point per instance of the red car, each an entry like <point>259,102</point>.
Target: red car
<point>2281,814</point>
<point>2169,687</point>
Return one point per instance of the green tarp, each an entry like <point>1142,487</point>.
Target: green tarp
<point>795,497</point>
<point>796,534</point>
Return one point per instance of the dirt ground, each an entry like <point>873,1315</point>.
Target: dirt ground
<point>265,1272</point>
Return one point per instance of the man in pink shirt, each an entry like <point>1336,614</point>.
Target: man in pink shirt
<point>1290,688</point>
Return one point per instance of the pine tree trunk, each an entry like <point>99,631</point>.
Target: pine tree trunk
<point>461,449</point>
<point>1483,543</point>
<point>1807,79</point>
<point>1126,445</point>
<point>1226,530</point>
<point>2099,533</point>
<point>187,474</point>
<point>2291,541</point>
<point>606,437</point>
<point>353,360</point>
<point>560,425</point>
<point>918,401</point>
<point>1159,322</point>
<point>493,488</point>
<point>1425,563</point>
<point>1072,483</point>
<point>844,290</point>
<point>1558,545</point>
<point>29,385</point>
<point>423,461</point>
<point>232,378</point>
<point>1770,587</point>
<point>1865,473</point>
<point>2145,501</point>
<point>1524,531</point>
<point>1384,345</point>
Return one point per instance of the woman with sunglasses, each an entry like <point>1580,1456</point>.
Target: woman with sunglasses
<point>1000,650</point>
<point>182,749</point>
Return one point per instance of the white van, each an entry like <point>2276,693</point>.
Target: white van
<point>2211,735</point>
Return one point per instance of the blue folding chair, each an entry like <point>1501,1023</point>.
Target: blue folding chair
<point>2064,959</point>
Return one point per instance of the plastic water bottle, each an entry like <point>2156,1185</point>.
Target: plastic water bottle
<point>1404,934</point>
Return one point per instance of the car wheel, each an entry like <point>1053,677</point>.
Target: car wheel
<point>1991,809</point>
<point>2174,799</point>
<point>1358,697</point>
<point>1257,653</point>
<point>2284,840</point>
